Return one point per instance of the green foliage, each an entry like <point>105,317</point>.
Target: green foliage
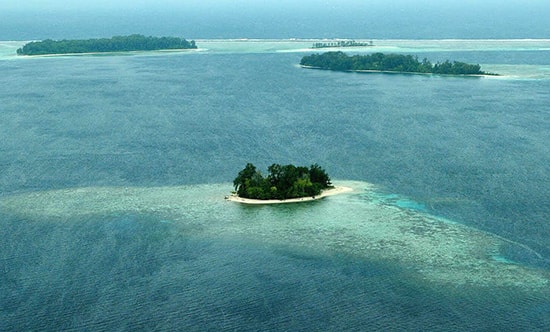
<point>387,62</point>
<point>282,182</point>
<point>115,44</point>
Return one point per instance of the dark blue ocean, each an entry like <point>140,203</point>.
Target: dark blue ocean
<point>114,168</point>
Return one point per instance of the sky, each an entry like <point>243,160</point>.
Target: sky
<point>258,4</point>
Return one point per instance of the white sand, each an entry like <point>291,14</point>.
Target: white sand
<point>327,192</point>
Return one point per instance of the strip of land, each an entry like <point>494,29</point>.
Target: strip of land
<point>105,45</point>
<point>380,62</point>
<point>327,192</point>
<point>375,71</point>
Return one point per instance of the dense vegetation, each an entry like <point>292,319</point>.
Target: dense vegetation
<point>115,44</point>
<point>387,62</point>
<point>282,182</point>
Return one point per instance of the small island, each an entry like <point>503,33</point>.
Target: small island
<point>283,184</point>
<point>341,43</point>
<point>391,63</point>
<point>115,44</point>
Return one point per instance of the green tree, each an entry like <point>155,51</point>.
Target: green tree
<point>318,175</point>
<point>115,44</point>
<point>387,62</point>
<point>243,179</point>
<point>282,182</point>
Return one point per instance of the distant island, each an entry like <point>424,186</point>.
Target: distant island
<point>283,184</point>
<point>114,44</point>
<point>380,62</point>
<point>341,43</point>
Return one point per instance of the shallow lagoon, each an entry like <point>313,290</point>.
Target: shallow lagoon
<point>356,224</point>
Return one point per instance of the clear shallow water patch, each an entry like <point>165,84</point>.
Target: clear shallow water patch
<point>511,72</point>
<point>363,224</point>
<point>8,49</point>
<point>395,200</point>
<point>380,45</point>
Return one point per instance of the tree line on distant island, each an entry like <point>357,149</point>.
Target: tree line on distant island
<point>282,182</point>
<point>388,62</point>
<point>134,42</point>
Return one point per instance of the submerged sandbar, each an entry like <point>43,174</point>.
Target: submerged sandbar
<point>358,224</point>
<point>327,192</point>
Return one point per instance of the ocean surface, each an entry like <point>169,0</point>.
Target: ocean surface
<point>114,168</point>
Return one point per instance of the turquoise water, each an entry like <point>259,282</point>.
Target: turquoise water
<point>114,169</point>
<point>355,224</point>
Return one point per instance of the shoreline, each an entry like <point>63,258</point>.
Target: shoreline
<point>134,52</point>
<point>374,71</point>
<point>327,192</point>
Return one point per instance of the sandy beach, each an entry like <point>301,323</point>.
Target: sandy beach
<point>373,71</point>
<point>328,192</point>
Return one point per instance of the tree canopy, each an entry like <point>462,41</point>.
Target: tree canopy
<point>282,182</point>
<point>388,62</point>
<point>114,44</point>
